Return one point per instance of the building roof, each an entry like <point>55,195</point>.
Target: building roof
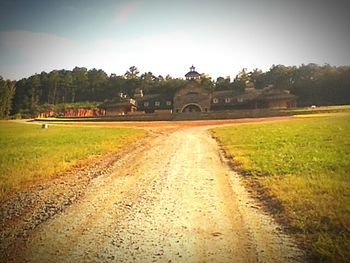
<point>275,94</point>
<point>153,97</point>
<point>113,104</point>
<point>226,93</point>
<point>192,73</point>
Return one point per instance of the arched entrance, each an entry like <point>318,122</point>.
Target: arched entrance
<point>192,108</point>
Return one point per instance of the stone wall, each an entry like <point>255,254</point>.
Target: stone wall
<point>193,94</point>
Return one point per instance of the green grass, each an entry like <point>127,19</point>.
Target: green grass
<point>304,164</point>
<point>337,108</point>
<point>29,153</point>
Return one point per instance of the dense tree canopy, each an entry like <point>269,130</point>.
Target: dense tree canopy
<point>7,90</point>
<point>313,84</point>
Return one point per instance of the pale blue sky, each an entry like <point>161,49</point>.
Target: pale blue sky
<point>166,37</point>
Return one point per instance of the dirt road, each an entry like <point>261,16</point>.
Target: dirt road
<point>176,201</point>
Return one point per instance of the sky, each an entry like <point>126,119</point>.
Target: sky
<point>166,37</point>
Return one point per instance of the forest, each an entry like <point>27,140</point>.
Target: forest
<point>313,85</point>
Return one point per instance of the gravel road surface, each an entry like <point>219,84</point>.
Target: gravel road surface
<point>174,200</point>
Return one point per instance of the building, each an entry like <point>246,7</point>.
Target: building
<point>194,98</point>
<point>155,103</point>
<point>121,106</point>
<point>267,98</point>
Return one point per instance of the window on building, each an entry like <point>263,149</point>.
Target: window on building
<point>146,104</point>
<point>227,100</point>
<point>215,100</point>
<point>157,103</point>
<point>240,99</point>
<point>168,103</point>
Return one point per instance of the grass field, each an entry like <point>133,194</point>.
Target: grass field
<point>321,108</point>
<point>29,153</point>
<point>303,164</point>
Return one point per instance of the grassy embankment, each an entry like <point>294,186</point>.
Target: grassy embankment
<point>29,153</point>
<point>302,164</point>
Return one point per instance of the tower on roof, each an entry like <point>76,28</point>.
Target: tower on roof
<point>192,74</point>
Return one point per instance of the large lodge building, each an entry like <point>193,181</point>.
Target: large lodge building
<point>194,98</point>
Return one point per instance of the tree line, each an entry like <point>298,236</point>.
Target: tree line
<point>312,84</point>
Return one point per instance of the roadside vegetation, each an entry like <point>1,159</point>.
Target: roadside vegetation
<point>29,153</point>
<point>301,166</point>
